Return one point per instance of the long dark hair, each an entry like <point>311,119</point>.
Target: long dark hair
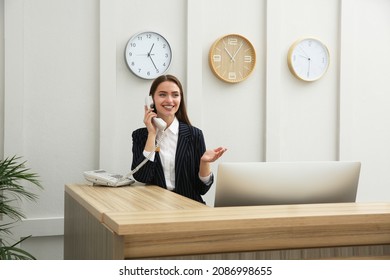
<point>181,113</point>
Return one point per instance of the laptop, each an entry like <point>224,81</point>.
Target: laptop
<point>277,183</point>
<point>103,178</point>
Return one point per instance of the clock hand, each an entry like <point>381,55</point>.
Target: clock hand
<point>308,60</point>
<point>300,47</point>
<point>147,54</point>
<point>234,55</point>
<point>231,57</point>
<point>150,50</point>
<point>150,56</point>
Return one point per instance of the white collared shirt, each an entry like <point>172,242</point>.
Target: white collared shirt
<point>168,152</point>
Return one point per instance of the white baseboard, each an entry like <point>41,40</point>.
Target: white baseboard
<point>52,226</point>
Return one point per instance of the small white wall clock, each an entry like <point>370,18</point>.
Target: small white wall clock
<point>148,55</point>
<point>308,59</point>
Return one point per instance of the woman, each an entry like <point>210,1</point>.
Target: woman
<point>181,163</point>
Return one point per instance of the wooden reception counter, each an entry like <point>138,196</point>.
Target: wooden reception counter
<point>150,222</point>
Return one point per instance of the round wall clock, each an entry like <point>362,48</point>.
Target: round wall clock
<point>232,58</point>
<point>308,59</point>
<point>148,55</point>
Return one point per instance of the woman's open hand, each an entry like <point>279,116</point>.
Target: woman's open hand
<point>213,155</point>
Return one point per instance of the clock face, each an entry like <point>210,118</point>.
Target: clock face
<point>232,58</point>
<point>148,55</point>
<point>308,59</point>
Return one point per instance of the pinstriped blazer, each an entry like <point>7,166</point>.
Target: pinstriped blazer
<point>190,148</point>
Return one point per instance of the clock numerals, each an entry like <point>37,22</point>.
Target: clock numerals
<point>148,55</point>
<point>232,41</point>
<point>232,76</point>
<point>248,59</point>
<point>217,58</point>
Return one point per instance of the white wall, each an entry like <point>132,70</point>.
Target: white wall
<point>71,103</point>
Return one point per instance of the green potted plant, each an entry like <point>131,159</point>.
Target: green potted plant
<point>12,176</point>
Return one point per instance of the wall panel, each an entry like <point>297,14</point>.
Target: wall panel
<point>51,98</point>
<point>308,110</point>
<point>365,94</point>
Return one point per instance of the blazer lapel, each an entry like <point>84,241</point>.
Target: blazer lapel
<point>181,149</point>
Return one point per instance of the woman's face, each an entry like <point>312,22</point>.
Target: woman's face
<point>167,99</point>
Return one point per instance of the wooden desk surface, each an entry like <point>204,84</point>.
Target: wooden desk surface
<point>221,218</point>
<point>101,200</point>
<point>157,222</point>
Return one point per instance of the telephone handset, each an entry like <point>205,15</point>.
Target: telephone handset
<point>158,122</point>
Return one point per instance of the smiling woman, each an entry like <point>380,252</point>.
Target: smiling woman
<point>178,159</point>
